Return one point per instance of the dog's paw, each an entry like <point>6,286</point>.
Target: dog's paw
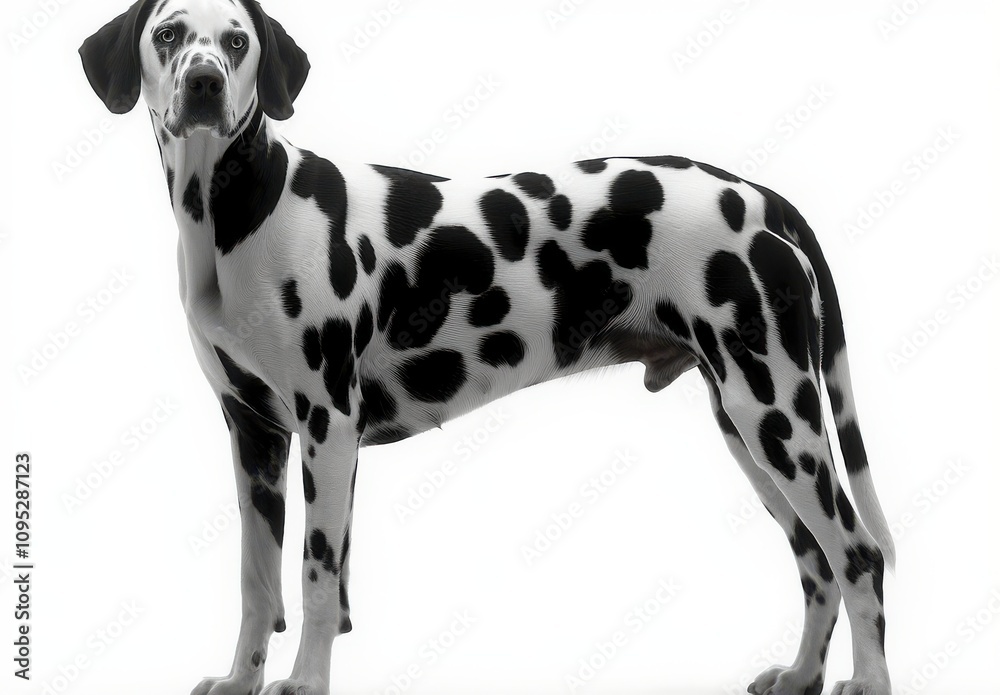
<point>293,687</point>
<point>230,685</point>
<point>863,686</point>
<point>781,680</point>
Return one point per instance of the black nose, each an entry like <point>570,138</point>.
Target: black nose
<point>205,82</point>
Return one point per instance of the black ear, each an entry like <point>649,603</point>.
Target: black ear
<point>283,65</point>
<point>111,59</point>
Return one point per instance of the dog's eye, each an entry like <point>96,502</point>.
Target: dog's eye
<point>167,36</point>
<point>239,43</point>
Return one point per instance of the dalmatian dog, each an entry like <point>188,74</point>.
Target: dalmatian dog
<point>389,301</point>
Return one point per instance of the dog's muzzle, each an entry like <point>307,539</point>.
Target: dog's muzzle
<point>204,103</point>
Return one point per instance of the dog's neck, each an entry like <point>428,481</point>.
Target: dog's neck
<point>198,169</point>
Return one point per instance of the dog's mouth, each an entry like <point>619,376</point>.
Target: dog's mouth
<point>184,122</point>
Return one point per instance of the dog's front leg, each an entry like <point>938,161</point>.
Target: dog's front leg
<point>330,457</point>
<point>260,455</point>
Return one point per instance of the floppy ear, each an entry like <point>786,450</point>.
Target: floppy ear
<point>111,59</point>
<point>283,65</point>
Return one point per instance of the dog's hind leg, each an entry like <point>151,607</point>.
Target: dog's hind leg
<point>260,455</point>
<point>822,594</point>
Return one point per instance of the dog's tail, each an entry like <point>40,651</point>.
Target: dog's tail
<point>781,215</point>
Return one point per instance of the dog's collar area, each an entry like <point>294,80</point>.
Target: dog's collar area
<point>255,115</point>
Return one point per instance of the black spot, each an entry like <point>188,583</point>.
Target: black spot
<point>262,445</point>
<point>536,185</point>
<point>863,559</point>
<point>379,403</point>
<point>672,319</point>
<point>808,463</point>
<point>271,506</point>
<point>756,372</point>
<point>504,348</point>
<point>853,448</point>
<point>489,308</point>
<point>880,626</point>
<point>803,542</point>
<point>807,405</point>
<point>411,205</point>
<point>392,292</point>
<point>336,342</point>
<point>727,279</point>
<point>363,329</point>
<point>824,489</point>
<point>734,209</point>
<point>251,390</point>
<point>290,299</point>
<point>193,203</point>
<point>367,253</point>
<point>319,179</point>
<point>453,260</point>
<point>323,551</point>
<point>561,212</point>
<point>816,687</point>
<point>280,626</point>
<point>507,219</point>
<point>773,431</point>
<point>246,185</point>
<point>836,399</point>
<point>586,302</point>
<point>312,451</point>
<point>255,659</point>
<point>709,344</point>
<point>319,422</point>
<point>592,166</point>
<point>435,377</point>
<point>780,215</point>
<point>718,173</point>
<point>788,293</point>
<point>313,575</point>
<point>301,406</point>
<point>845,510</point>
<point>312,348</point>
<point>667,161</point>
<point>809,586</point>
<point>622,228</point>
<point>308,484</point>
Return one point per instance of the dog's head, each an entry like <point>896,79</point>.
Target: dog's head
<point>199,64</point>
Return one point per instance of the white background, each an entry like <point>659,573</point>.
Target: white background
<point>682,513</point>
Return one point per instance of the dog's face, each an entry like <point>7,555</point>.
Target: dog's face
<point>199,64</point>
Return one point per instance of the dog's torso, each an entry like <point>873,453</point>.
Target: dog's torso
<point>437,296</point>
